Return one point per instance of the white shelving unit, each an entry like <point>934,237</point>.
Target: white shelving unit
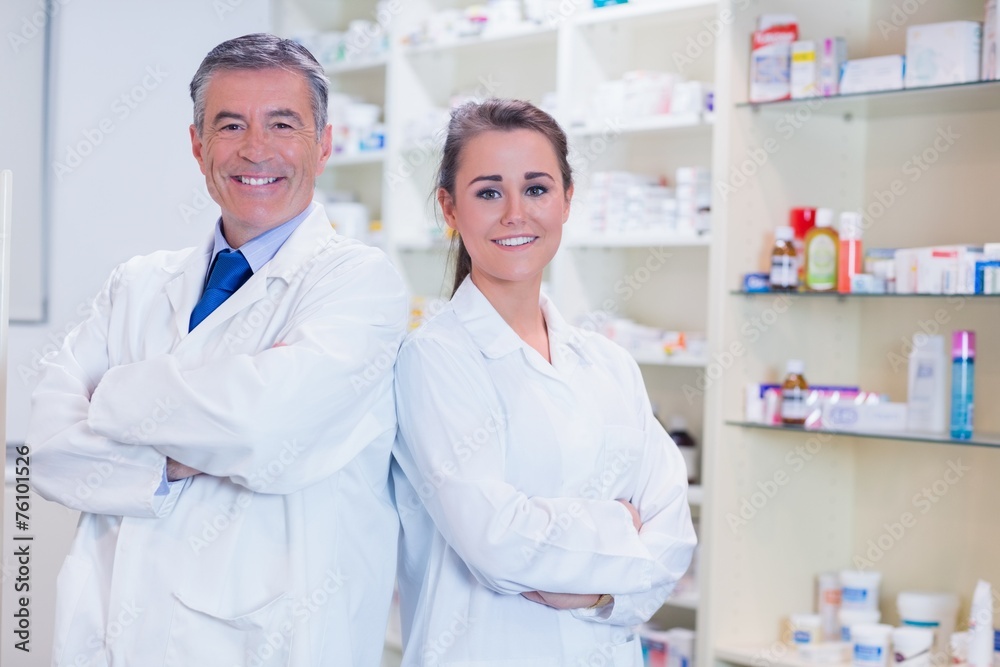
<point>783,505</point>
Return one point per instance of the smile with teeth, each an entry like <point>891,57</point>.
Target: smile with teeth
<point>246,180</point>
<point>516,241</point>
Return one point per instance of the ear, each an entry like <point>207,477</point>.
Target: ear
<point>196,148</point>
<point>569,199</point>
<point>326,148</point>
<point>447,203</point>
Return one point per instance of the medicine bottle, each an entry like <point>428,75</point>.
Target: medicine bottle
<point>793,394</point>
<point>821,253</point>
<point>784,264</point>
<point>963,382</point>
<point>850,256</point>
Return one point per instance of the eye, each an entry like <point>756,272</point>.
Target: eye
<point>536,190</point>
<point>231,127</point>
<point>488,193</point>
<point>283,126</point>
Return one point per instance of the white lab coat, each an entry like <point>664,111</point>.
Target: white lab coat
<point>507,470</point>
<point>284,553</point>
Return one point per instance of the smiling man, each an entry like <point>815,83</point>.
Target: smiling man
<point>243,515</point>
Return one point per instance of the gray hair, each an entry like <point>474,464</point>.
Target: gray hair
<point>256,52</point>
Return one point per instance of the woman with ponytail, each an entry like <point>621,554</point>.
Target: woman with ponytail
<point>543,508</point>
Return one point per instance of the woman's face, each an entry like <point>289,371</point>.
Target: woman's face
<point>509,205</point>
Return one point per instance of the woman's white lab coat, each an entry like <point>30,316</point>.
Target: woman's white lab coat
<point>507,473</point>
<point>283,553</point>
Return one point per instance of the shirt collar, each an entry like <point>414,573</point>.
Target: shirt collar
<point>496,338</point>
<point>261,249</point>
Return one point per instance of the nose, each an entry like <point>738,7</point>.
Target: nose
<point>514,213</point>
<point>255,146</point>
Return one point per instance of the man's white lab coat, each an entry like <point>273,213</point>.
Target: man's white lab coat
<point>284,552</point>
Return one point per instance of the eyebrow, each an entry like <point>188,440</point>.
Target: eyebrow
<point>277,113</point>
<point>528,175</point>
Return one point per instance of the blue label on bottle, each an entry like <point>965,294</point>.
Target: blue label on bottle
<point>801,637</point>
<point>864,653</point>
<point>855,594</point>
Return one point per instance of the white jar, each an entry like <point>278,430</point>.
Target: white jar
<point>912,646</point>
<point>806,628</point>
<point>870,644</point>
<point>851,617</point>
<point>859,589</point>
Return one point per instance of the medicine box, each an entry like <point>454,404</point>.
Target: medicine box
<point>771,62</point>
<point>867,75</point>
<point>805,75</point>
<point>831,54</point>
<point>938,54</point>
<point>991,52</point>
<point>872,417</point>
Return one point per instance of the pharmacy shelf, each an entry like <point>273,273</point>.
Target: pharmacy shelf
<point>651,124</point>
<point>687,600</point>
<point>641,11</point>
<point>609,240</point>
<point>856,295</point>
<point>663,359</point>
<point>361,65</point>
<point>695,495</point>
<point>958,97</point>
<point>522,34</point>
<point>423,244</point>
<point>977,440</point>
<point>776,654</point>
<point>353,159</point>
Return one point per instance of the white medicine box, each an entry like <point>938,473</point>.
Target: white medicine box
<point>991,31</point>
<point>943,53</point>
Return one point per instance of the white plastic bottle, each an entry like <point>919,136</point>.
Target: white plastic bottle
<point>927,390</point>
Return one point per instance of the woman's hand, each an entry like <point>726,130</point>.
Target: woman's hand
<point>562,600</point>
<point>636,521</point>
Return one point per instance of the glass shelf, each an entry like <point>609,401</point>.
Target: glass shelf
<point>855,295</point>
<point>957,97</point>
<point>977,440</point>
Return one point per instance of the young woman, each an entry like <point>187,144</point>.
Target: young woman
<point>544,509</point>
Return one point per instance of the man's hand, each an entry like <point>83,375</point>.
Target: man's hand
<point>562,600</point>
<point>636,521</point>
<point>176,471</point>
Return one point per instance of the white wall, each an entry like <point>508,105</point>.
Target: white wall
<point>136,189</point>
<point>22,60</point>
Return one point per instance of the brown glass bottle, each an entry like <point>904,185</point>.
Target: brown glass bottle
<point>793,395</point>
<point>784,262</point>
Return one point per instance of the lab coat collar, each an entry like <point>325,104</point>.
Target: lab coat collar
<point>308,242</point>
<point>496,338</point>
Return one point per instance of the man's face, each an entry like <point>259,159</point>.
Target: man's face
<point>258,149</point>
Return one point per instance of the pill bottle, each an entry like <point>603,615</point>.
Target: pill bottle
<point>784,261</point>
<point>793,394</point>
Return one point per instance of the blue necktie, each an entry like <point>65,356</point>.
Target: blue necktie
<point>228,274</point>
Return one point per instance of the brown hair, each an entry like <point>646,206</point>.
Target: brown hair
<point>474,118</point>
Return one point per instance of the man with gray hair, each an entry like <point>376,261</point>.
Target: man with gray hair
<point>232,405</point>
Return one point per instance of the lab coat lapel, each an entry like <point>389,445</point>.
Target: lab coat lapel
<point>310,240</point>
<point>185,286</point>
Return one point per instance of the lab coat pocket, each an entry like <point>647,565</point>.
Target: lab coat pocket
<point>627,654</point>
<point>622,458</point>
<point>261,637</point>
